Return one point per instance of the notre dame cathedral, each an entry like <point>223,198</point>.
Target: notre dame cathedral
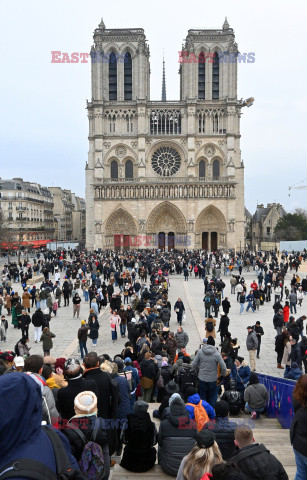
<point>164,174</point>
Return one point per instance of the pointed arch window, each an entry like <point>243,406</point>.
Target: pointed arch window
<point>112,76</point>
<point>128,76</point>
<point>114,170</point>
<point>202,169</point>
<point>201,75</point>
<point>215,77</point>
<point>216,170</point>
<point>128,169</point>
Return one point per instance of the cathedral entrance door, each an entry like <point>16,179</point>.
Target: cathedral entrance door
<point>161,241</point>
<point>213,241</point>
<point>171,241</point>
<point>126,245</point>
<point>204,241</point>
<point>117,243</point>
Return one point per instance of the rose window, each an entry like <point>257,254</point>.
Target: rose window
<point>166,161</point>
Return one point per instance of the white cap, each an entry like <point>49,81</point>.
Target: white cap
<point>19,362</point>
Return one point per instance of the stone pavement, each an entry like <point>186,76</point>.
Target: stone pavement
<point>65,327</point>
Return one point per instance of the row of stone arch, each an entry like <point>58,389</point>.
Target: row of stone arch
<point>166,216</point>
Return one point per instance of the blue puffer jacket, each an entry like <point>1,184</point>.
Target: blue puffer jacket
<point>124,391</point>
<point>21,435</point>
<point>195,399</point>
<point>294,374</point>
<point>241,376</point>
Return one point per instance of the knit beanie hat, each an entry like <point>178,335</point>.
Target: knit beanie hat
<point>140,407</point>
<point>205,439</point>
<point>221,409</point>
<point>85,403</point>
<point>177,406</point>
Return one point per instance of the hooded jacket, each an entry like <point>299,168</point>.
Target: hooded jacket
<point>21,435</point>
<point>206,362</point>
<point>38,318</point>
<point>139,436</point>
<point>255,460</point>
<point>176,438</point>
<point>49,409</point>
<point>195,399</point>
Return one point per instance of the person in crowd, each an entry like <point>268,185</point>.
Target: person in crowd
<point>259,333</point>
<point>223,327</point>
<point>139,439</point>
<point>82,337</point>
<point>179,309</point>
<point>23,323</point>
<point>149,371</point>
<point>202,458</point>
<point>3,328</point>
<point>299,427</point>
<point>223,430</point>
<point>22,347</point>
<point>210,324</point>
<point>303,346</point>
<point>76,305</point>
<point>286,358</point>
<point>182,338</point>
<point>254,459</point>
<point>205,363</point>
<point>47,374</point>
<point>278,321</point>
<point>199,410</point>
<point>280,345</point>
<point>294,373</point>
<point>37,320</point>
<point>176,437</point>
<point>241,374</point>
<point>255,396</point>
<point>186,377</point>
<point>46,338</point>
<point>75,384</point>
<point>85,427</point>
<point>106,394</point>
<point>251,347</point>
<point>115,322</point>
<point>34,367</point>
<point>94,329</point>
<point>21,433</point>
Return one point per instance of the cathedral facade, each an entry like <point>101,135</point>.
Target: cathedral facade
<point>164,174</point>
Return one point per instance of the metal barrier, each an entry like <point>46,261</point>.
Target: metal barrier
<point>279,403</point>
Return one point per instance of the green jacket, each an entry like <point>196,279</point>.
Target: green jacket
<point>46,338</point>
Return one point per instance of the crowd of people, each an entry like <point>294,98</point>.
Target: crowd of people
<point>99,406</point>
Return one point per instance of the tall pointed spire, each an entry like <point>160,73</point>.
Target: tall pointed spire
<point>102,25</point>
<point>226,24</point>
<point>163,97</point>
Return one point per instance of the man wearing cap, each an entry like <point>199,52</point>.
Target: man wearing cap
<point>251,346</point>
<point>135,377</point>
<point>17,365</point>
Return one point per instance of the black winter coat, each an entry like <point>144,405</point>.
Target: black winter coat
<point>38,318</point>
<point>255,460</point>
<point>139,453</point>
<point>223,431</point>
<point>224,323</point>
<point>176,439</point>
<point>66,395</point>
<point>298,428</point>
<point>103,381</point>
<point>94,327</point>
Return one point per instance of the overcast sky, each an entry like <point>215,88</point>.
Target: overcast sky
<point>44,126</point>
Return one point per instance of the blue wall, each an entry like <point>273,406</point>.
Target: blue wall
<point>280,398</point>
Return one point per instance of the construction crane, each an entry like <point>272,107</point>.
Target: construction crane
<point>299,187</point>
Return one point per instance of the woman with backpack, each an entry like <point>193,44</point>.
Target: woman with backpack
<point>210,324</point>
<point>88,438</point>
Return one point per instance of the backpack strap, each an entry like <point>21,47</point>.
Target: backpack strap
<point>63,466</point>
<point>24,467</point>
